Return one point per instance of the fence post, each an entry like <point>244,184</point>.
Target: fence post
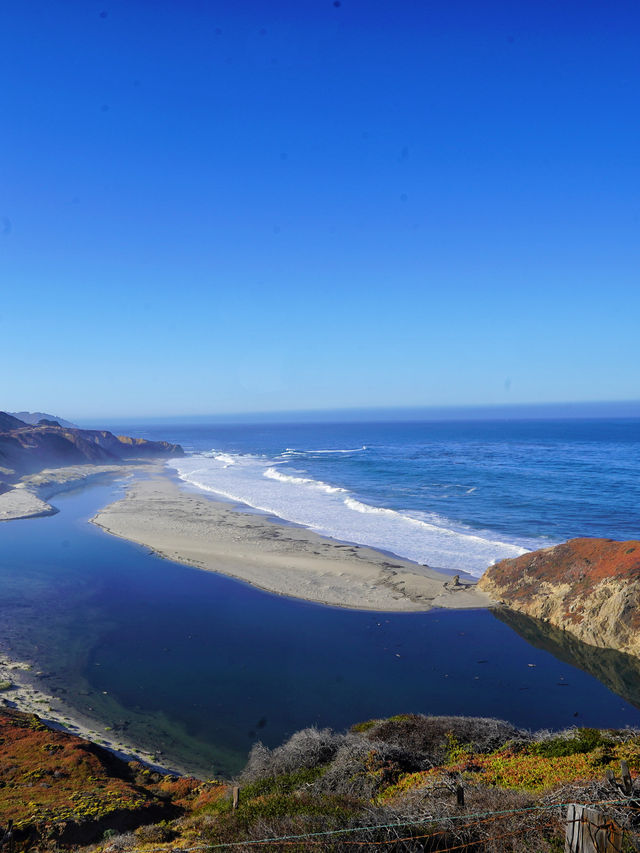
<point>6,837</point>
<point>627,783</point>
<point>588,832</point>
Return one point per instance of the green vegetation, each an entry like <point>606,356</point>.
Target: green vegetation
<point>393,783</point>
<point>358,728</point>
<point>583,741</point>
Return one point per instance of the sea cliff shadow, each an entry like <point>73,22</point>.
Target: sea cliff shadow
<point>617,671</point>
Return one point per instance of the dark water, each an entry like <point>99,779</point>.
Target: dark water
<point>200,665</point>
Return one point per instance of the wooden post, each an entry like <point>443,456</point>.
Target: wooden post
<point>236,797</point>
<point>588,832</point>
<point>7,837</point>
<point>627,783</point>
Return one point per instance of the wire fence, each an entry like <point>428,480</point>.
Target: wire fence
<point>481,819</point>
<point>481,828</point>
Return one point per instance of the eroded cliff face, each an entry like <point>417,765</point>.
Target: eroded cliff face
<point>590,587</point>
<point>25,449</point>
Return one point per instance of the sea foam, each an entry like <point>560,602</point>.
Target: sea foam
<point>266,484</point>
<point>291,451</point>
<point>275,474</point>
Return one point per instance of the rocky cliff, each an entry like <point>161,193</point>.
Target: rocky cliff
<point>25,449</point>
<point>589,587</point>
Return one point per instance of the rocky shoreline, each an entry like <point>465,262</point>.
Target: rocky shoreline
<point>587,587</point>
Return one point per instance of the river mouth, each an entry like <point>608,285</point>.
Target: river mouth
<point>196,667</point>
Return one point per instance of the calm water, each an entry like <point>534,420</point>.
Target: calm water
<point>201,665</point>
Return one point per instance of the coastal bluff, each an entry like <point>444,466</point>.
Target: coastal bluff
<point>39,460</point>
<point>588,587</point>
<point>27,448</point>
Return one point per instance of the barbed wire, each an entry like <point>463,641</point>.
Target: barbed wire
<point>485,817</point>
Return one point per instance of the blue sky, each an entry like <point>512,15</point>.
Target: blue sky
<point>227,207</point>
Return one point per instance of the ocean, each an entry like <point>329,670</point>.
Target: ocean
<point>200,666</point>
<point>456,495</point>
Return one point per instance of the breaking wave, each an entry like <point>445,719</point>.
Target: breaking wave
<point>334,511</point>
<point>275,474</point>
<point>291,451</point>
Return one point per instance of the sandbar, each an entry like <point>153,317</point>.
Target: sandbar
<point>212,535</point>
<point>28,498</point>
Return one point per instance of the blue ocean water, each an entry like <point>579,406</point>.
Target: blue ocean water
<point>454,495</point>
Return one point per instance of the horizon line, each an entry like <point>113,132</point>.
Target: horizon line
<point>529,411</point>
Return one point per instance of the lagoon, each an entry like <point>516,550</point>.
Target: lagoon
<point>199,666</point>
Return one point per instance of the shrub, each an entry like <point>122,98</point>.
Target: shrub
<point>116,842</point>
<point>359,728</point>
<point>431,736</point>
<point>305,749</point>
<point>361,768</point>
<point>578,741</point>
<point>285,783</point>
<point>155,833</point>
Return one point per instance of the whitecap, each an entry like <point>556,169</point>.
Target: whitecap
<point>274,474</point>
<point>291,451</point>
<point>332,510</point>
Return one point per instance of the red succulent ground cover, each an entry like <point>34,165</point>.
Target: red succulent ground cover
<point>56,785</point>
<point>582,563</point>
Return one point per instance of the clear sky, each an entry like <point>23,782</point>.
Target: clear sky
<point>305,204</point>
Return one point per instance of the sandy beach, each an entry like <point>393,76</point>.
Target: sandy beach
<point>187,528</point>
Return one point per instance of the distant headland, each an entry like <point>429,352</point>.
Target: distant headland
<point>41,458</point>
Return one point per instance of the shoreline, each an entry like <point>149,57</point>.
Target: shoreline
<point>29,497</point>
<point>197,530</point>
<point>26,695</point>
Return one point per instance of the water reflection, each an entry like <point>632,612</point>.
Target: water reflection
<point>617,671</point>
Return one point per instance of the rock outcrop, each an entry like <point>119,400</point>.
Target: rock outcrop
<point>589,587</point>
<point>25,449</point>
